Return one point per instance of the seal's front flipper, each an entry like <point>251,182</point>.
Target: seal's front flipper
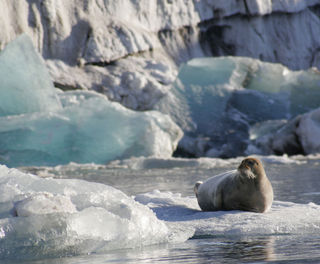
<point>196,187</point>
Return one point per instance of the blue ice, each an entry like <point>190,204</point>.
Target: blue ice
<point>40,125</point>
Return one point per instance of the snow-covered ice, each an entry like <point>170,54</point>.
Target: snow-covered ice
<point>183,212</point>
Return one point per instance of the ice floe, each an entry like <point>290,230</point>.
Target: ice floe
<point>51,217</point>
<point>183,212</point>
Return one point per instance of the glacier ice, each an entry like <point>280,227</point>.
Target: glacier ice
<point>54,217</point>
<point>216,100</point>
<point>78,126</point>
<point>25,88</point>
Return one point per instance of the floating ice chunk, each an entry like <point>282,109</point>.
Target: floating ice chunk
<point>89,128</point>
<point>283,218</point>
<point>52,217</point>
<point>25,82</point>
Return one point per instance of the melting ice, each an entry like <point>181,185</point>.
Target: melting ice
<point>50,217</point>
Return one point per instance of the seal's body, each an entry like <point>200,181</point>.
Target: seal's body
<point>247,189</point>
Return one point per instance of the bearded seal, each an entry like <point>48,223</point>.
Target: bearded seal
<point>246,189</point>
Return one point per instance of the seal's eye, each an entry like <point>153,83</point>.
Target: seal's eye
<point>250,163</point>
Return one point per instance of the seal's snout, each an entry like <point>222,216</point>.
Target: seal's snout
<point>243,166</point>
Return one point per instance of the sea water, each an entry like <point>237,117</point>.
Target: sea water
<point>290,232</point>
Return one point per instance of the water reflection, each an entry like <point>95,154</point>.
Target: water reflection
<point>252,249</point>
<point>274,249</point>
<point>195,251</point>
<point>221,249</point>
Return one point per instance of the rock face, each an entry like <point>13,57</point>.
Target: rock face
<point>125,44</point>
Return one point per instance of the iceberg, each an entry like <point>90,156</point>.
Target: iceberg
<point>45,217</point>
<point>216,101</point>
<point>78,126</point>
<point>88,129</point>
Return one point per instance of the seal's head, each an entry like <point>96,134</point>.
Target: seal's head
<point>251,168</point>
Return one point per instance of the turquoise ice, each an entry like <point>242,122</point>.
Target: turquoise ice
<point>40,125</point>
<point>26,86</point>
<point>216,101</point>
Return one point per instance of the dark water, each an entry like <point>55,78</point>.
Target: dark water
<point>299,183</point>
